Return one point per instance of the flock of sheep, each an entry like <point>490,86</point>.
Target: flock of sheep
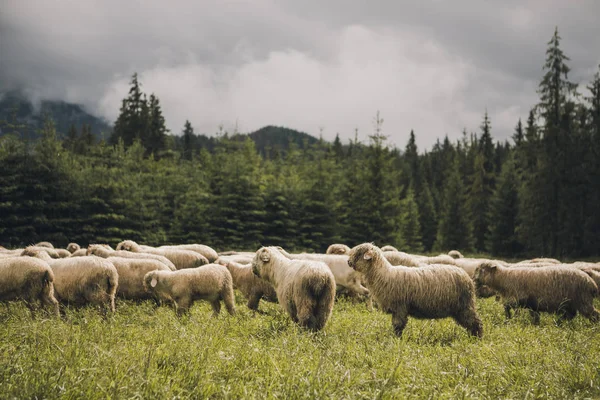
<point>305,285</point>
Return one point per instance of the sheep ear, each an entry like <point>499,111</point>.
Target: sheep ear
<point>368,255</point>
<point>153,282</point>
<point>265,256</point>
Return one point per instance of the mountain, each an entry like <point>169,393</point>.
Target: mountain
<point>14,105</point>
<point>280,139</point>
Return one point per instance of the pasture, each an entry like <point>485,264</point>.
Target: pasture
<point>147,352</point>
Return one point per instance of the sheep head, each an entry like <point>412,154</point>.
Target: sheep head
<point>363,257</point>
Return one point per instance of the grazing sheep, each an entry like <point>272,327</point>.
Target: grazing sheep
<point>338,249</point>
<point>28,279</point>
<point>251,286</point>
<point>345,277</point>
<point>73,247</point>
<point>305,289</point>
<point>208,252</point>
<point>455,254</point>
<point>549,289</point>
<point>210,282</point>
<point>82,280</point>
<point>386,248</point>
<point>469,265</point>
<point>180,258</point>
<point>431,291</point>
<point>45,244</point>
<point>131,276</point>
<point>100,250</point>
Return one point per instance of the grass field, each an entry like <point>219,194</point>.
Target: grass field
<point>142,352</point>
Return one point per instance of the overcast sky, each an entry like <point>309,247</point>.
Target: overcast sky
<point>430,65</point>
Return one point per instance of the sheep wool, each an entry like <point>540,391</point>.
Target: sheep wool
<point>305,289</point>
<point>430,291</point>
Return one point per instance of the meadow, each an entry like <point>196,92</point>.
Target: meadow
<point>147,352</point>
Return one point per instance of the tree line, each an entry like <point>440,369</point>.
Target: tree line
<point>538,196</point>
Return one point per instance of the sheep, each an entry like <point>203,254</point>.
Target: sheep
<point>73,247</point>
<point>565,291</point>
<point>223,260</point>
<point>305,289</point>
<point>387,248</point>
<point>251,286</point>
<point>82,280</point>
<point>208,252</point>
<point>45,244</point>
<point>455,254</point>
<point>337,249</point>
<point>181,258</point>
<point>79,253</point>
<point>238,253</point>
<point>429,291</point>
<point>210,282</point>
<point>345,277</point>
<point>63,253</point>
<point>131,276</point>
<point>28,279</point>
<point>100,250</point>
<point>413,260</point>
<point>469,265</point>
<point>540,261</point>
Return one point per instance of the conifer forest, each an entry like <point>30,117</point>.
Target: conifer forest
<point>537,194</point>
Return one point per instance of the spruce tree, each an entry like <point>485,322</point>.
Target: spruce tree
<point>504,209</point>
<point>410,224</point>
<point>188,140</point>
<point>455,231</point>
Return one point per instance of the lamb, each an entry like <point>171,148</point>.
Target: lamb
<point>429,291</point>
<point>180,258</point>
<point>131,276</point>
<point>208,252</point>
<point>82,280</point>
<point>210,282</point>
<point>100,250</point>
<point>28,279</point>
<point>345,277</point>
<point>338,249</point>
<point>305,289</point>
<point>565,291</point>
<point>73,247</point>
<point>251,286</point>
<point>388,248</point>
<point>455,254</point>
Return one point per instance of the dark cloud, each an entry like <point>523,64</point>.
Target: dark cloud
<point>433,66</point>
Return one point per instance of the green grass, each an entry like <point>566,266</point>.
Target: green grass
<point>142,352</point>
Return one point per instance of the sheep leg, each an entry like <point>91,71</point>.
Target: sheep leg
<point>229,300</point>
<point>590,313</point>
<point>253,301</point>
<point>32,308</point>
<point>469,320</point>
<point>52,302</point>
<point>399,320</point>
<point>216,306</point>
<point>305,313</point>
<point>535,315</point>
<point>182,305</point>
<point>507,313</point>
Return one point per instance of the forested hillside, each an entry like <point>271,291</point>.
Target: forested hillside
<point>538,195</point>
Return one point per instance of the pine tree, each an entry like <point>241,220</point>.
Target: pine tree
<point>504,209</point>
<point>455,231</point>
<point>154,139</point>
<point>188,140</point>
<point>132,121</point>
<point>410,224</point>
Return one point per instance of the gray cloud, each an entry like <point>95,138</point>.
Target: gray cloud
<point>433,66</point>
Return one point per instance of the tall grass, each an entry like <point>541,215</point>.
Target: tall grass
<point>143,352</point>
